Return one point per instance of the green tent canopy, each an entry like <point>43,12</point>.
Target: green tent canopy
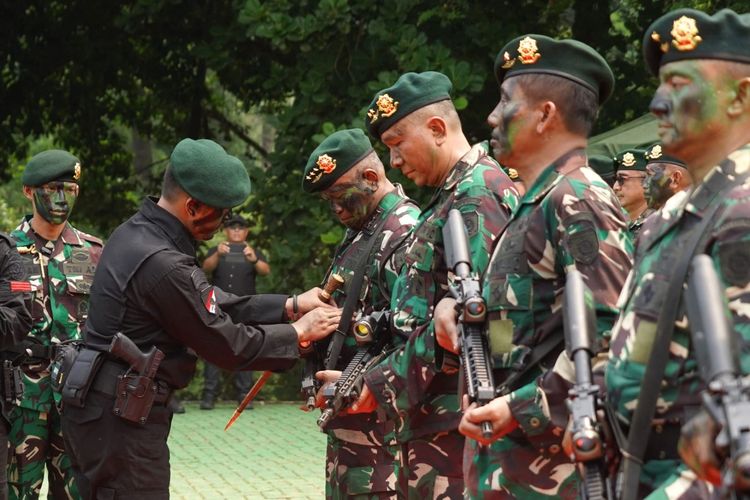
<point>637,133</point>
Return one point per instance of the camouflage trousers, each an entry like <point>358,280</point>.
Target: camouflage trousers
<point>360,470</point>
<point>672,480</point>
<point>430,467</point>
<point>512,467</point>
<point>35,442</point>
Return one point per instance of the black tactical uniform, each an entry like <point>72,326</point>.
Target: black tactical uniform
<point>15,324</point>
<point>149,286</point>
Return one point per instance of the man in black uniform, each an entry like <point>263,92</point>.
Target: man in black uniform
<point>149,287</point>
<point>233,265</point>
<point>15,324</point>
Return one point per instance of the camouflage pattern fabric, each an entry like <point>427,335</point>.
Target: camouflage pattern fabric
<point>406,384</point>
<point>659,247</point>
<point>428,470</point>
<point>636,225</point>
<point>569,219</point>
<point>362,449</point>
<point>60,274</point>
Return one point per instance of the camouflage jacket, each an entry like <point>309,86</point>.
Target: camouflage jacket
<point>406,384</point>
<point>393,220</point>
<point>569,219</point>
<point>636,225</point>
<point>61,274</point>
<point>727,241</point>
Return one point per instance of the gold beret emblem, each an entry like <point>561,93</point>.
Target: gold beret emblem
<point>326,164</point>
<point>386,107</point>
<point>77,171</point>
<point>685,34</point>
<point>527,51</point>
<point>628,159</point>
<point>513,174</point>
<point>509,62</point>
<point>654,153</point>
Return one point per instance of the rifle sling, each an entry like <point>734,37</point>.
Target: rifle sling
<point>538,354</point>
<point>640,426</point>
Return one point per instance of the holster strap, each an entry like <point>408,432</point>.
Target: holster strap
<point>106,382</point>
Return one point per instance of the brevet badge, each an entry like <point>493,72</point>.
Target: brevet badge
<point>528,53</point>
<point>509,62</point>
<point>685,34</point>
<point>77,171</point>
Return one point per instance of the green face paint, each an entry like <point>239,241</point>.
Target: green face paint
<point>656,185</point>
<point>351,203</point>
<point>54,201</point>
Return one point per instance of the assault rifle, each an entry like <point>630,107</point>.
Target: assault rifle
<point>579,321</point>
<point>347,389</point>
<point>727,397</point>
<point>476,363</point>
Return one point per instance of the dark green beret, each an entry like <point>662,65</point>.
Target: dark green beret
<point>338,153</point>
<point>654,154</point>
<point>692,34</point>
<point>569,59</point>
<point>207,173</point>
<point>604,166</point>
<point>631,159</point>
<point>51,165</point>
<point>410,92</point>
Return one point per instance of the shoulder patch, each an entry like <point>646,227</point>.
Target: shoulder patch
<point>734,260</point>
<point>581,239</point>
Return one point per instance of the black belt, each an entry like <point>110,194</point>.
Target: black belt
<point>106,382</point>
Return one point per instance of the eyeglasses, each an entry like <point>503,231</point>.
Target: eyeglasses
<point>621,179</point>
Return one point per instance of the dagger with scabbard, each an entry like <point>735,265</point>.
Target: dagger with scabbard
<point>333,283</point>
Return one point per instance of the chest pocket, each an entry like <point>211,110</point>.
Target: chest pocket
<point>511,282</point>
<point>421,252</point>
<point>79,271</point>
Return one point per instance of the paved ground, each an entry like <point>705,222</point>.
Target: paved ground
<point>273,451</point>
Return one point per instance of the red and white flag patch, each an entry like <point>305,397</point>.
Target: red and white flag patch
<point>210,301</point>
<point>20,286</point>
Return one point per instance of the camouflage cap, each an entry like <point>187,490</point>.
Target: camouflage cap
<point>569,59</point>
<point>692,34</point>
<point>338,153</point>
<point>604,166</point>
<point>655,154</point>
<point>51,165</point>
<point>410,92</point>
<point>207,173</point>
<point>631,159</point>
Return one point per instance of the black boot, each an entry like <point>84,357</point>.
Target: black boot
<point>176,405</point>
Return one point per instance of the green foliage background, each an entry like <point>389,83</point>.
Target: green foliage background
<point>119,83</point>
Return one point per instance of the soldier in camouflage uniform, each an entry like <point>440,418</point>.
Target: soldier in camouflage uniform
<point>345,170</point>
<point>60,262</point>
<point>665,176</point>
<point>703,109</point>
<point>629,187</point>
<point>417,121</point>
<point>568,219</point>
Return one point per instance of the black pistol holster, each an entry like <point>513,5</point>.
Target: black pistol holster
<point>135,396</point>
<point>12,382</point>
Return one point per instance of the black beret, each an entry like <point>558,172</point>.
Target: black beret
<point>692,34</point>
<point>236,220</point>
<point>51,165</point>
<point>410,92</point>
<point>338,153</point>
<point>631,159</point>
<point>207,173</point>
<point>654,154</point>
<point>569,59</point>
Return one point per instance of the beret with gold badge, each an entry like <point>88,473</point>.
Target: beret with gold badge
<point>631,159</point>
<point>691,34</point>
<point>411,92</point>
<point>335,156</point>
<point>571,59</point>
<point>51,165</point>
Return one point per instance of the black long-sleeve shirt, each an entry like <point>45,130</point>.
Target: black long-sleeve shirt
<point>15,319</point>
<point>149,287</point>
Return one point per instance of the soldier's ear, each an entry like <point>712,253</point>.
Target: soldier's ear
<point>741,103</point>
<point>548,114</point>
<point>438,128</point>
<point>28,192</point>
<point>370,175</point>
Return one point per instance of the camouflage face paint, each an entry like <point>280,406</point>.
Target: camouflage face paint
<point>656,185</point>
<point>687,106</point>
<point>204,227</point>
<point>351,203</point>
<point>509,120</point>
<point>54,201</point>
